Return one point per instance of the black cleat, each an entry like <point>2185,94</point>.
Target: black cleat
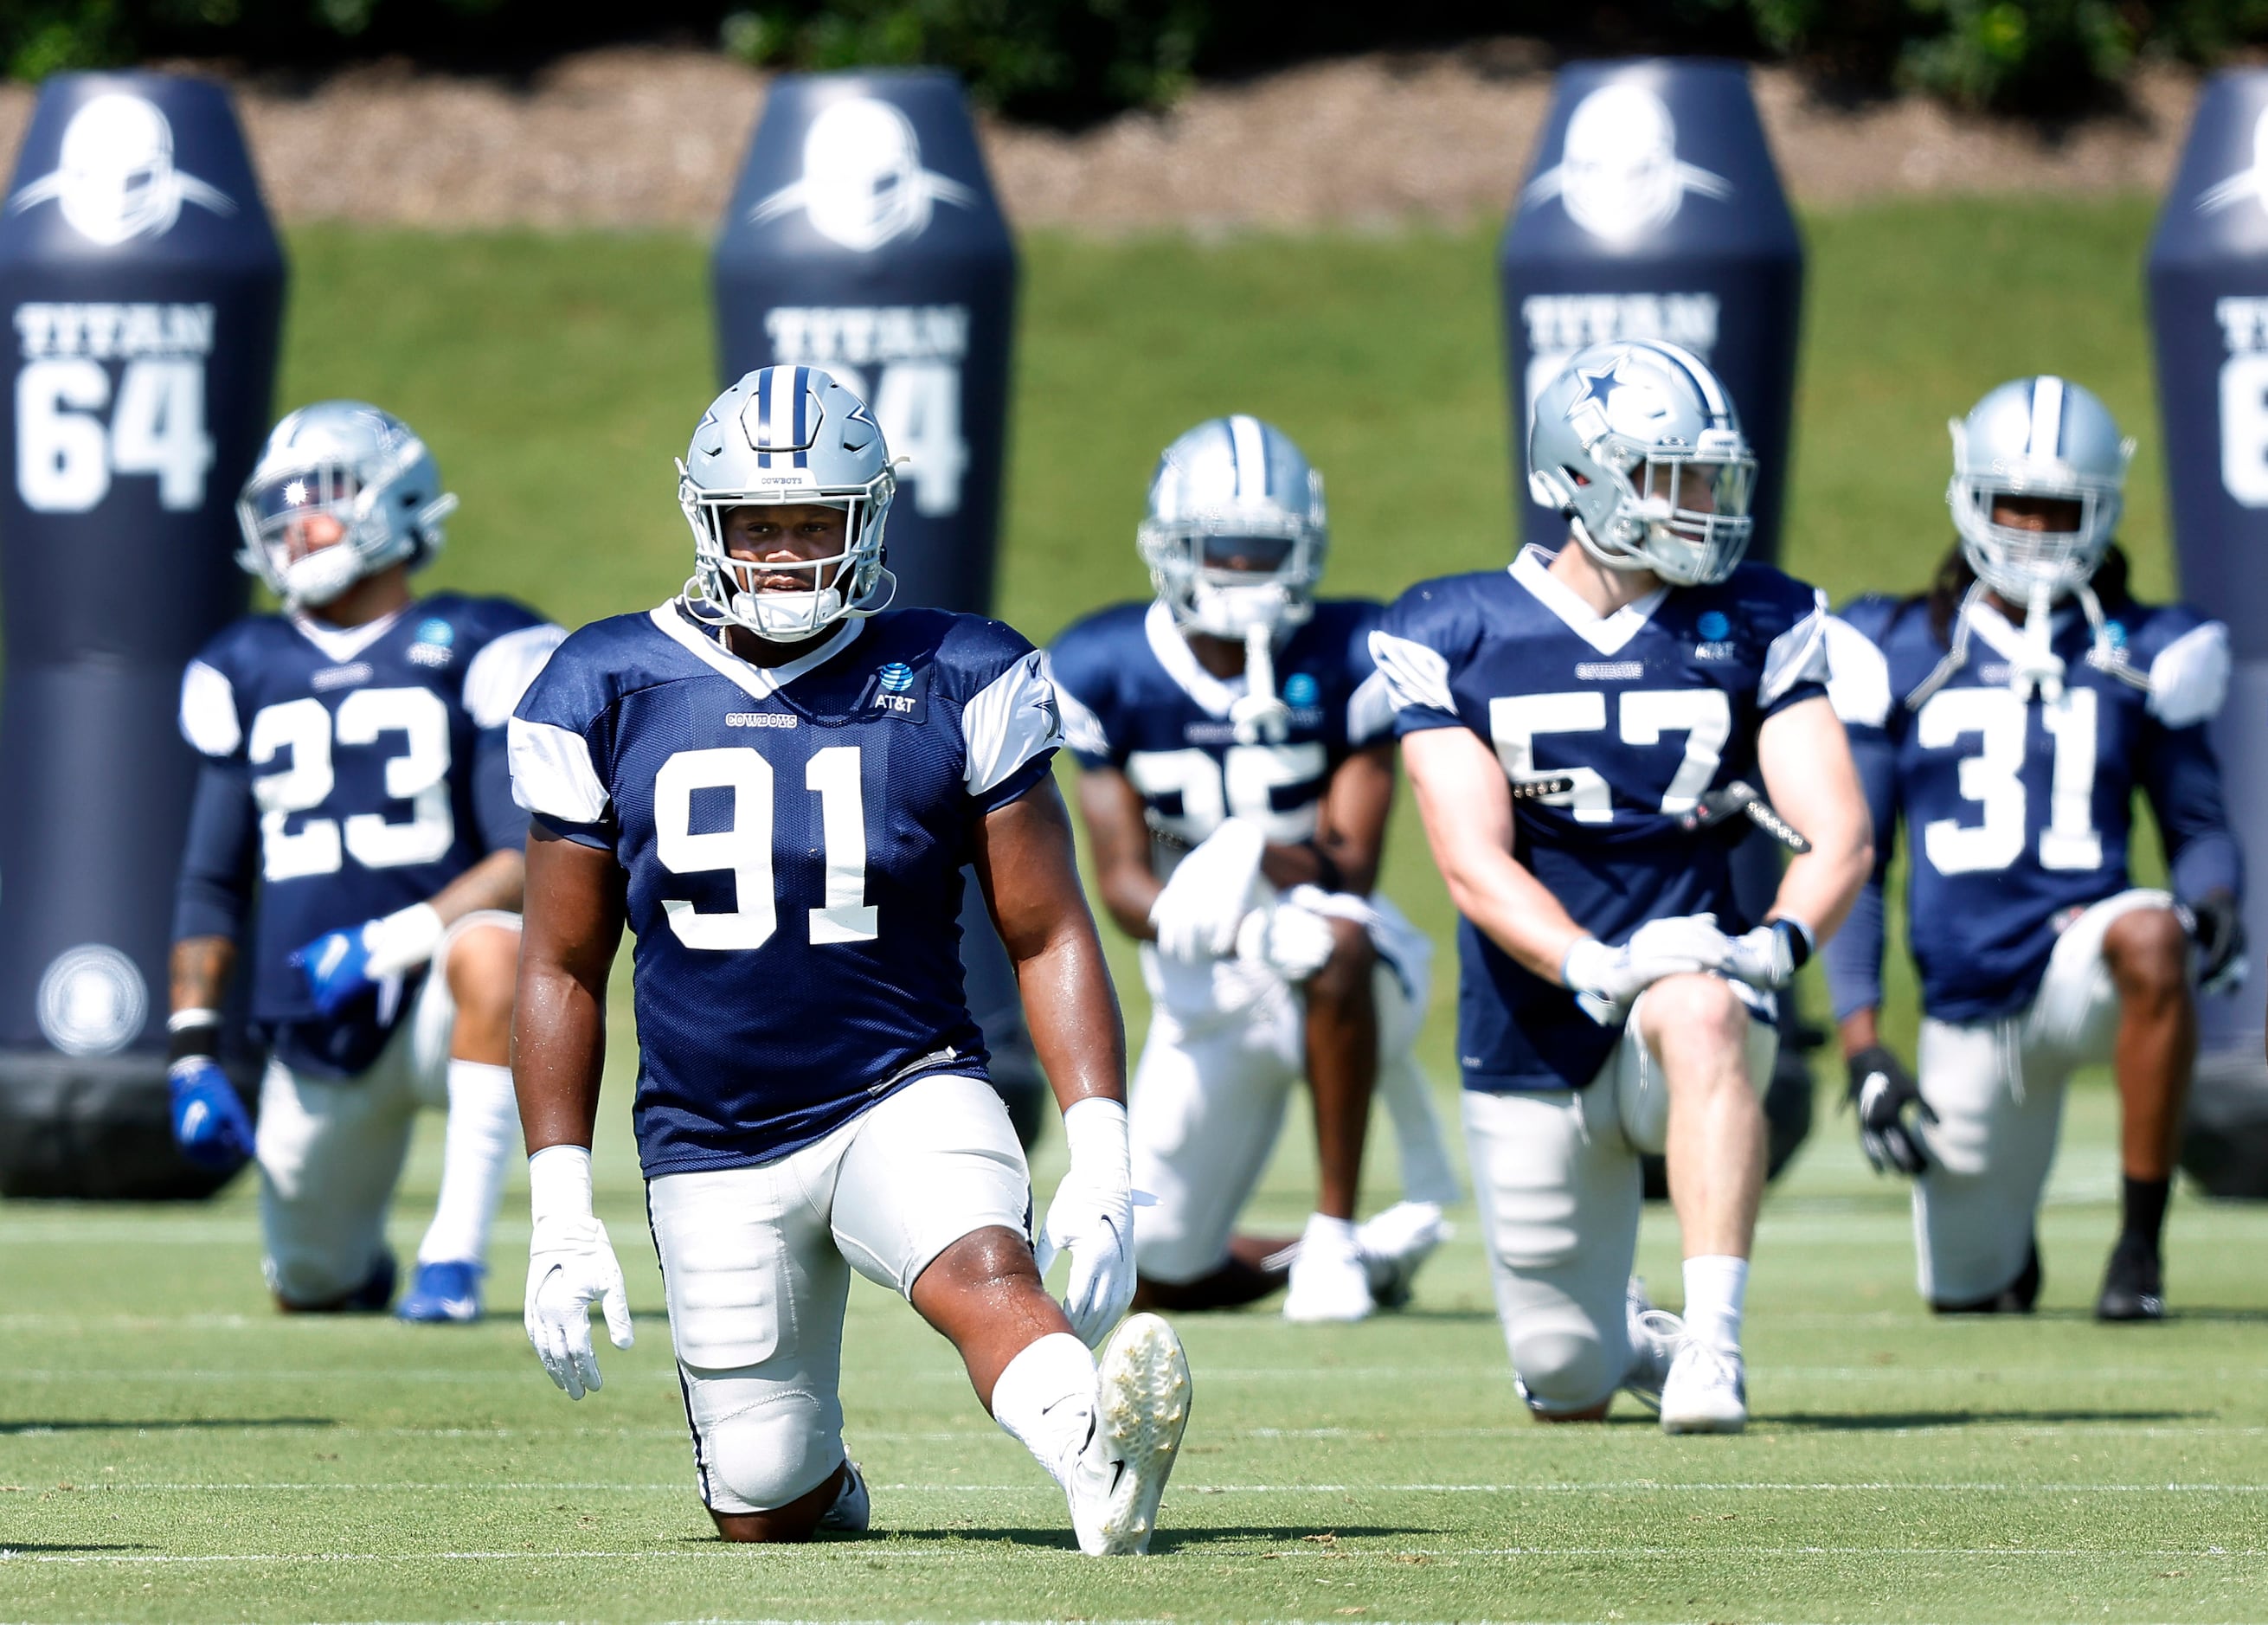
<point>2134,1286</point>
<point>2016,1298</point>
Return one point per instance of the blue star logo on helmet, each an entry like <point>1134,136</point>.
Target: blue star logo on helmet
<point>1712,625</point>
<point>896,678</point>
<point>1300,689</point>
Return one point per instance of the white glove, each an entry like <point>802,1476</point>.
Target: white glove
<point>571,1266</point>
<point>1092,1219</point>
<point>1209,895</point>
<point>1769,956</point>
<point>405,938</point>
<point>1606,980</point>
<point>1292,941</point>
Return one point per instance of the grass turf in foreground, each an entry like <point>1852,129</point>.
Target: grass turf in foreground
<point>173,1451</point>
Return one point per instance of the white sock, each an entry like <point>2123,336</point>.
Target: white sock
<point>483,1140</point>
<point>1045,1401</point>
<point>1426,1173</point>
<point>1716,1286</point>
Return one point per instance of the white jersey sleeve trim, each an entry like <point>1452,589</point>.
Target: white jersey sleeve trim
<point>1858,676</point>
<point>1797,655</point>
<point>501,672</point>
<point>1083,730</point>
<point>1417,677</point>
<point>551,773</point>
<point>1009,721</point>
<point>208,720</point>
<point>1370,710</point>
<point>2189,680</point>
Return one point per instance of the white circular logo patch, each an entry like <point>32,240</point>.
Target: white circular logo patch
<point>92,1001</point>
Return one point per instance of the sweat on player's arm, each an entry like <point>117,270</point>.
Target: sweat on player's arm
<point>776,781</point>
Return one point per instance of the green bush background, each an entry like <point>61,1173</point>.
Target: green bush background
<point>1071,59</point>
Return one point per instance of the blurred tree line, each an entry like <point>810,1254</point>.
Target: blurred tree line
<point>1068,61</point>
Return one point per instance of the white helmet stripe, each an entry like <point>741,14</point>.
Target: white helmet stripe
<point>2047,417</point>
<point>1249,455</point>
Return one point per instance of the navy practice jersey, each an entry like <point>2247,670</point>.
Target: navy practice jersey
<point>1646,709</point>
<point>792,839</point>
<point>2019,812</point>
<point>1134,698</point>
<point>354,771</point>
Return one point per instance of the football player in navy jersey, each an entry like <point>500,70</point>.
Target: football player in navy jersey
<point>775,781</point>
<point>2007,717</point>
<point>1613,1001</point>
<point>1238,769</point>
<point>354,838</point>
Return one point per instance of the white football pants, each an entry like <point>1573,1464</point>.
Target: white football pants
<point>1223,1056</point>
<point>330,1151</point>
<point>756,1264</point>
<point>1555,1174</point>
<point>1998,1090</point>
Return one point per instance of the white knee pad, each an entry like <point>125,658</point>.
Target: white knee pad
<point>1564,1363</point>
<point>2076,1008</point>
<point>781,1444</point>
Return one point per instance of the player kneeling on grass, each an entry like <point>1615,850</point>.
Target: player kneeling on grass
<point>1238,774</point>
<point>355,810</point>
<point>2008,716</point>
<point>775,781</point>
<point>1562,724</point>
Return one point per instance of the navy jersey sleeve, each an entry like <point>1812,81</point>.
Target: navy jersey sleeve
<point>513,644</point>
<point>1791,616</point>
<point>2188,668</point>
<point>559,739</point>
<point>1369,707</point>
<point>1011,722</point>
<point>1425,637</point>
<point>213,896</point>
<point>1859,684</point>
<point>1082,665</point>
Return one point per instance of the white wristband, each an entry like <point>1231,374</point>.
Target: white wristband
<point>1094,1130</point>
<point>1580,969</point>
<point>402,939</point>
<point>559,1183</point>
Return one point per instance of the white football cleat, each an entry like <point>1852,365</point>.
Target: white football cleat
<point>1707,1391</point>
<point>1655,1336</point>
<point>1142,1404</point>
<point>1393,1243</point>
<point>1330,1280</point>
<point>854,1509</point>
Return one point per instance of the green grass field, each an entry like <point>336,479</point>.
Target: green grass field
<point>169,1450</point>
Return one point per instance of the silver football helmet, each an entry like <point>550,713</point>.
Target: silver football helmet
<point>1236,534</point>
<point>787,435</point>
<point>351,463</point>
<point>1638,444</point>
<point>2042,436</point>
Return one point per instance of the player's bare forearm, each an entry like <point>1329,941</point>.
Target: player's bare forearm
<point>1805,758</point>
<point>568,941</point>
<point>1466,805</point>
<point>199,971</point>
<point>1860,1030</point>
<point>1027,864</point>
<point>1118,838</point>
<point>497,881</point>
<point>1350,829</point>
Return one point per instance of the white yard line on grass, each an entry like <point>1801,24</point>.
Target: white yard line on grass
<point>1634,1485</point>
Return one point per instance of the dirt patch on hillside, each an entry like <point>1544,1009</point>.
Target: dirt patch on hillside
<point>652,137</point>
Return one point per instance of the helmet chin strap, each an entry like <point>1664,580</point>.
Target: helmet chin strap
<point>1258,715</point>
<point>2039,666</point>
<point>314,581</point>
